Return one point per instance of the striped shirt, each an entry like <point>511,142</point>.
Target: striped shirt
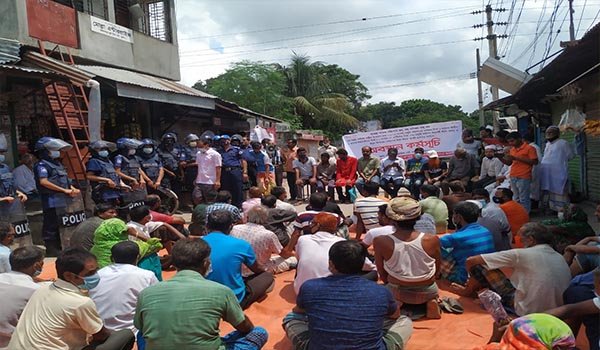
<point>367,209</point>
<point>236,214</point>
<point>304,219</point>
<point>472,239</point>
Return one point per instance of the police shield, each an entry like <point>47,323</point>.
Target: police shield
<point>69,216</point>
<point>15,214</point>
<point>134,198</point>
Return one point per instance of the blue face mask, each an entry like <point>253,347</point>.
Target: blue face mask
<point>89,282</point>
<point>418,155</point>
<point>2,158</point>
<point>54,154</point>
<point>36,273</point>
<point>103,154</point>
<point>483,203</point>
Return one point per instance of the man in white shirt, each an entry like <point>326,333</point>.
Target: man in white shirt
<point>312,250</point>
<point>539,276</point>
<point>281,194</point>
<point>17,286</point>
<point>61,316</point>
<point>7,236</point>
<point>120,284</point>
<point>392,171</point>
<point>554,170</point>
<point>209,171</point>
<point>306,171</point>
<point>365,209</point>
<point>494,219</point>
<point>490,168</point>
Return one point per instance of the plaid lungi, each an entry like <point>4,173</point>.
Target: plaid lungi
<point>497,281</point>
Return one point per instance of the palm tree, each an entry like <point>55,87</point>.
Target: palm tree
<point>312,97</point>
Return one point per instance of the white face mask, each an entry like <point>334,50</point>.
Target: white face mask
<point>131,152</point>
<point>193,144</point>
<point>54,154</point>
<point>208,270</point>
<point>148,150</point>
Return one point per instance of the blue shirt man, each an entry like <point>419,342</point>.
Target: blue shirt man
<point>233,171</point>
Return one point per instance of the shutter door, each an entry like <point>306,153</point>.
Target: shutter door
<point>592,111</point>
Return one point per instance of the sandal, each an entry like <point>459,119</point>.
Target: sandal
<point>451,305</point>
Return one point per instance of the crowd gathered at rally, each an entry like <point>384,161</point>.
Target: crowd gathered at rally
<point>360,279</point>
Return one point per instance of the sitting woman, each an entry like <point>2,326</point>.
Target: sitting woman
<point>572,228</point>
<point>531,332</point>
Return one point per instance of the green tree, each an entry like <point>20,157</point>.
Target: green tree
<point>257,86</point>
<point>343,82</point>
<point>314,99</point>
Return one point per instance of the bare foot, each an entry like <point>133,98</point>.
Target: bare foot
<point>459,289</point>
<point>433,310</point>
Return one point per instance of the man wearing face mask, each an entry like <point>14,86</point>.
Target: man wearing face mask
<point>8,190</point>
<point>53,184</point>
<point>127,164</point>
<point>100,169</point>
<point>469,239</point>
<point>61,316</point>
<point>152,167</point>
<point>17,287</point>
<point>234,170</point>
<point>195,323</point>
<point>490,168</point>
<point>515,213</point>
<point>554,170</point>
<point>415,175</point>
<point>187,160</point>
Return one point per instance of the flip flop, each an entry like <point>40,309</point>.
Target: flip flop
<point>453,305</point>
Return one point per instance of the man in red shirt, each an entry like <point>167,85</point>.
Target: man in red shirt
<point>515,213</point>
<point>522,158</point>
<point>345,175</point>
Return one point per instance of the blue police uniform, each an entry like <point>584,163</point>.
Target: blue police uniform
<point>129,166</point>
<point>231,173</point>
<point>188,155</point>
<point>104,168</point>
<point>7,183</point>
<point>56,173</point>
<point>170,161</point>
<point>151,165</point>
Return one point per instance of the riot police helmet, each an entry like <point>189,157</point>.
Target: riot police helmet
<point>128,143</point>
<point>169,137</point>
<point>191,137</point>
<point>52,144</point>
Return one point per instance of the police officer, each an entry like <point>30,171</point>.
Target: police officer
<point>152,167</point>
<point>275,154</point>
<point>169,152</point>
<point>8,190</point>
<point>53,184</point>
<point>234,170</point>
<point>101,173</point>
<point>244,144</point>
<point>187,160</point>
<point>127,164</point>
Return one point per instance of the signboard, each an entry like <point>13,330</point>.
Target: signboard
<point>441,137</point>
<point>111,29</point>
<point>53,22</point>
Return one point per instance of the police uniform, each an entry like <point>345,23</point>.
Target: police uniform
<point>231,173</point>
<point>104,168</point>
<point>252,165</point>
<point>56,173</point>
<point>170,161</point>
<point>151,165</point>
<point>188,155</point>
<point>129,166</point>
<point>7,182</point>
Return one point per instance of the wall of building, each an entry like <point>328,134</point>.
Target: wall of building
<point>146,54</point>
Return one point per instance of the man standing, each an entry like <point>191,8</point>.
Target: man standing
<point>208,179</point>
<point>345,175</point>
<point>60,316</point>
<point>120,284</point>
<point>17,286</point>
<point>306,171</point>
<point>469,239</point>
<point>23,175</point>
<point>228,254</point>
<point>193,324</point>
<point>392,173</point>
<point>345,311</point>
<point>554,169</point>
<point>289,155</point>
<point>368,169</point>
<point>234,170</point>
<point>522,158</point>
<point>539,276</point>
<point>468,142</point>
<point>275,154</point>
<point>329,149</point>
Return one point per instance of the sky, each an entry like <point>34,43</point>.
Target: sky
<point>402,50</point>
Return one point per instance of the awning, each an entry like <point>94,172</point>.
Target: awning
<point>146,87</point>
<point>28,72</point>
<point>76,76</point>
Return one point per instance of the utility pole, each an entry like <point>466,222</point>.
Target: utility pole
<point>493,51</point>
<point>571,25</point>
<point>479,91</point>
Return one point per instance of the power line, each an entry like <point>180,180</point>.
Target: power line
<point>464,76</point>
<point>363,19</point>
<point>580,17</point>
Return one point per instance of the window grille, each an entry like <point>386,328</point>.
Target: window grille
<point>96,8</point>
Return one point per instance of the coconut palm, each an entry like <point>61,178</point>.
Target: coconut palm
<point>312,97</point>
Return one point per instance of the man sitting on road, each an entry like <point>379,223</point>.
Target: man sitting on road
<point>365,209</point>
<point>345,311</point>
<point>434,206</point>
<point>279,221</point>
<point>83,236</point>
<point>494,219</point>
<point>228,254</point>
<point>515,213</point>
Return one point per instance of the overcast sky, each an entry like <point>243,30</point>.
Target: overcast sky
<point>401,49</point>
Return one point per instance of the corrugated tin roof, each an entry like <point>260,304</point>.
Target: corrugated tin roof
<point>143,80</point>
<point>9,50</point>
<point>77,76</point>
<point>35,71</point>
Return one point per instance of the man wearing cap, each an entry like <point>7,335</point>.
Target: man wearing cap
<point>311,249</point>
<point>469,239</point>
<point>554,171</point>
<point>435,170</point>
<point>408,260</point>
<point>392,172</point>
<point>490,168</point>
<point>234,170</point>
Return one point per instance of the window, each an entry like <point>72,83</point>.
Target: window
<point>151,17</point>
<point>96,8</point>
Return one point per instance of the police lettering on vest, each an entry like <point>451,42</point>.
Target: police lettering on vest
<point>72,219</point>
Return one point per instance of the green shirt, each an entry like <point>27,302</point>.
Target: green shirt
<point>369,165</point>
<point>436,208</point>
<point>184,312</point>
